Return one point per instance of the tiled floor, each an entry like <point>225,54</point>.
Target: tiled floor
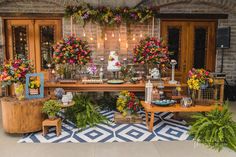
<point>9,148</point>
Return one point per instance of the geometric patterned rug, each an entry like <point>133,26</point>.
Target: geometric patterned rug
<point>165,129</point>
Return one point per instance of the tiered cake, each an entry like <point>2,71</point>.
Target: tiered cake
<point>113,62</point>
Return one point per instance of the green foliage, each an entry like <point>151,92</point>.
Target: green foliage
<point>51,107</point>
<point>215,129</point>
<point>84,113</point>
<point>107,102</point>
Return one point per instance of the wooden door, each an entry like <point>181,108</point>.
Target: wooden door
<point>192,44</point>
<point>47,32</point>
<point>20,38</point>
<point>176,33</point>
<point>33,38</point>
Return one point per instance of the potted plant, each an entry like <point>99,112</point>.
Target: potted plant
<point>215,129</point>
<point>51,108</point>
<point>14,72</point>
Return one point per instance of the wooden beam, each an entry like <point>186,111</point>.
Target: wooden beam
<point>190,16</point>
<point>29,15</point>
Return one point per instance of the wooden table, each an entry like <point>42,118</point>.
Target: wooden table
<point>149,108</point>
<point>79,87</point>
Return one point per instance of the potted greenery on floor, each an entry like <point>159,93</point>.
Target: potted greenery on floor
<point>51,108</point>
<point>215,129</point>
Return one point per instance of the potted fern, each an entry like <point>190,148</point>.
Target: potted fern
<point>51,108</point>
<point>215,129</point>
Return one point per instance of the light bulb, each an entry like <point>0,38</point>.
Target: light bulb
<point>91,38</point>
<point>105,37</point>
<point>113,35</point>
<point>133,37</point>
<point>119,39</point>
<point>84,34</point>
<point>141,35</point>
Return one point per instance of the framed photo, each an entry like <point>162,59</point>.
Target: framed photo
<point>34,86</point>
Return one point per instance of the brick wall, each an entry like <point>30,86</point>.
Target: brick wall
<point>130,35</point>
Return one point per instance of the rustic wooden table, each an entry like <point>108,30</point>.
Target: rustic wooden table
<point>149,108</point>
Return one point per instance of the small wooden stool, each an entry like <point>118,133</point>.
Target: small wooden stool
<point>47,123</point>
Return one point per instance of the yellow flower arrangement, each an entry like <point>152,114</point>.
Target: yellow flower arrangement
<point>127,101</point>
<point>197,78</point>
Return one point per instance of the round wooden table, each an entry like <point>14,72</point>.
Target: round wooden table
<point>23,116</point>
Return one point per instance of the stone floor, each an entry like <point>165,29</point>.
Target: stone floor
<point>10,148</point>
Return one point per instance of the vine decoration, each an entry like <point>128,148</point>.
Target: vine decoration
<point>107,16</point>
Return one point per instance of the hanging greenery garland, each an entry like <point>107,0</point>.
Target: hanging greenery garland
<point>109,16</point>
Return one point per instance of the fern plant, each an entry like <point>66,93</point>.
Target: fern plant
<point>84,112</point>
<point>215,129</point>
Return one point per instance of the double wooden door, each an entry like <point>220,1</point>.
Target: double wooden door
<point>192,44</point>
<point>34,39</point>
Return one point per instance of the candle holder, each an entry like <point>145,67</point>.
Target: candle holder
<point>173,63</point>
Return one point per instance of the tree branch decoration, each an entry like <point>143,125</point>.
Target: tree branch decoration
<point>109,16</point>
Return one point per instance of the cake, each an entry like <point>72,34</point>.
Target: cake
<point>113,62</point>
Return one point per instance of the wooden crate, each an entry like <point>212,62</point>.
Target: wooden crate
<point>120,119</point>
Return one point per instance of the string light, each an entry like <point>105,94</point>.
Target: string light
<point>91,38</point>
<point>119,37</point>
<point>105,36</point>
<point>133,37</point>
<point>141,34</point>
<point>84,34</point>
<point>113,35</point>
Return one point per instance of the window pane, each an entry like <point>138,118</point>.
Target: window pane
<point>46,42</point>
<point>200,40</point>
<point>19,40</point>
<point>174,41</point>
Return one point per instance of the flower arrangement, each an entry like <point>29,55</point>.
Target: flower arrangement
<point>72,50</point>
<point>92,70</point>
<point>127,102</point>
<point>151,51</point>
<point>197,78</point>
<point>34,84</point>
<point>14,71</point>
<point>109,16</point>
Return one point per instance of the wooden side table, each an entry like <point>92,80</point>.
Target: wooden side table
<point>48,123</point>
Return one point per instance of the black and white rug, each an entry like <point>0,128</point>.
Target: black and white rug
<point>165,129</point>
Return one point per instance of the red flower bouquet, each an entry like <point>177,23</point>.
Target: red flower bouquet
<point>14,71</point>
<point>72,50</point>
<point>151,51</point>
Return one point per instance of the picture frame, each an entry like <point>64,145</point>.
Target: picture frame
<point>41,88</point>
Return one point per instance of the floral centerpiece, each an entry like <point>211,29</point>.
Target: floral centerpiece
<point>71,51</point>
<point>198,79</point>
<point>151,51</point>
<point>127,102</point>
<point>14,72</point>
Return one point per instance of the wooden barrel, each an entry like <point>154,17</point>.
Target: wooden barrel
<point>23,116</point>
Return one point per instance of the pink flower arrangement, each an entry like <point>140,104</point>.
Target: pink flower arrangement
<point>72,50</point>
<point>14,71</point>
<point>151,51</point>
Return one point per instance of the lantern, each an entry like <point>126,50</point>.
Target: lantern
<point>148,92</point>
